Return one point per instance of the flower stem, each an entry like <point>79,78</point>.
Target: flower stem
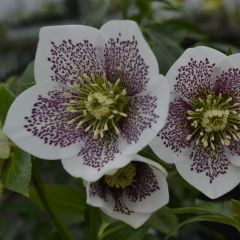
<point>40,190</point>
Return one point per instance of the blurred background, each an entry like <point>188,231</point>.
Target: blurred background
<point>191,21</point>
<point>170,26</point>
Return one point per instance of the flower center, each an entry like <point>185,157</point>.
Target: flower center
<point>97,104</point>
<point>122,178</point>
<point>214,121</point>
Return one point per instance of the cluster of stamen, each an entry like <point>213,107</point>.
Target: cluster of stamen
<point>123,178</point>
<point>214,120</point>
<point>96,103</point>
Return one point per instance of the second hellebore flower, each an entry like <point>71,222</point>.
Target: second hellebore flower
<point>131,193</point>
<point>202,133</point>
<point>98,98</point>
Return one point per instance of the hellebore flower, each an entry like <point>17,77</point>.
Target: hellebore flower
<point>202,132</point>
<point>132,193</point>
<point>98,98</point>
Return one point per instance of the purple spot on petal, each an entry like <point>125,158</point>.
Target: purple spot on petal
<point>212,163</point>
<point>123,60</point>
<point>140,115</point>
<point>145,183</point>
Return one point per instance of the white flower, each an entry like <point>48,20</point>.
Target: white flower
<point>132,193</point>
<point>98,98</point>
<point>4,147</point>
<point>202,132</point>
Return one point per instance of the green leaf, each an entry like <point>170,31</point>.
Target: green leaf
<point>27,80</point>
<point>222,208</point>
<point>17,169</point>
<point>189,210</point>
<point>148,153</point>
<point>226,48</point>
<point>94,221</point>
<point>236,209</point>
<point>11,82</point>
<point>205,207</point>
<point>124,6</point>
<point>164,220</point>
<point>97,15</point>
<point>177,29</point>
<point>120,231</point>
<point>68,203</point>
<point>222,212</point>
<point>229,51</point>
<point>165,49</point>
<point>208,218</point>
<point>144,10</point>
<point>6,99</point>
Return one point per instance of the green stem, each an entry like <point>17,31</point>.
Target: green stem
<point>40,190</point>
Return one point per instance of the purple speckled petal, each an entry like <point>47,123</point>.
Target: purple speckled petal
<point>212,164</point>
<point>212,174</point>
<point>81,165</point>
<point>96,153</point>
<point>48,121</point>
<point>146,115</point>
<point>135,220</point>
<point>191,74</point>
<point>65,52</point>
<point>233,152</point>
<point>122,60</point>
<point>128,56</point>
<point>171,144</point>
<point>98,195</point>
<point>36,122</point>
<point>140,115</point>
<point>228,77</point>
<point>148,192</point>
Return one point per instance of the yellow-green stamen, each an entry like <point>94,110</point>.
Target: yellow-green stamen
<point>122,178</point>
<point>96,103</point>
<point>213,121</point>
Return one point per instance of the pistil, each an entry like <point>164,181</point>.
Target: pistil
<point>122,178</point>
<point>96,103</point>
<point>213,120</point>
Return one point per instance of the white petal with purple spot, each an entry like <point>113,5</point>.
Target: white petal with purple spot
<point>17,123</point>
<point>146,117</point>
<point>149,198</point>
<point>66,52</point>
<point>127,30</point>
<point>135,220</point>
<point>196,64</point>
<point>77,167</point>
<point>222,184</point>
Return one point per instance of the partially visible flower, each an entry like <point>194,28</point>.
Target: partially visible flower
<point>4,146</point>
<point>132,193</point>
<point>98,98</point>
<point>202,133</point>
